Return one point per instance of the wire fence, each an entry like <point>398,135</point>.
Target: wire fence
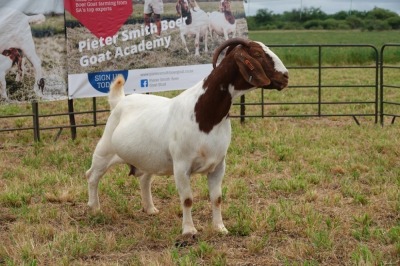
<point>373,93</point>
<point>389,106</point>
<point>318,87</point>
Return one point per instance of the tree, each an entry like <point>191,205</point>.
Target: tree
<point>314,18</point>
<point>354,22</point>
<point>312,13</point>
<point>341,15</point>
<point>264,16</point>
<point>381,14</point>
<point>394,22</point>
<point>292,16</point>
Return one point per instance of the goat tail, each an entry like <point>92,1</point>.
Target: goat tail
<point>36,19</point>
<point>116,91</point>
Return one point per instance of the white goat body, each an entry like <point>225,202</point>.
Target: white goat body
<point>16,33</point>
<point>220,25</point>
<point>184,135</point>
<point>156,154</point>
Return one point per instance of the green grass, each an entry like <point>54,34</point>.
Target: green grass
<point>375,38</point>
<point>296,191</point>
<point>333,56</point>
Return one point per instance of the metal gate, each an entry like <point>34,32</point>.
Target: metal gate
<point>370,96</point>
<point>389,87</point>
<point>316,106</point>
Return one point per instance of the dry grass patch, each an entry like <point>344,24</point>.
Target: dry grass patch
<point>296,192</point>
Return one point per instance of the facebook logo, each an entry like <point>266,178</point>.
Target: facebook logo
<point>144,83</point>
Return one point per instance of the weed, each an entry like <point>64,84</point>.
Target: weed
<point>364,256</point>
<point>241,223</point>
<point>362,226</point>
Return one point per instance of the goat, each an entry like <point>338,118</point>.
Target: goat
<point>8,59</point>
<point>5,64</point>
<point>17,33</point>
<point>16,56</point>
<point>187,134</point>
<point>223,23</point>
<point>194,22</point>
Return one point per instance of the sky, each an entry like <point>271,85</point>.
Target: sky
<point>327,6</point>
<point>251,7</point>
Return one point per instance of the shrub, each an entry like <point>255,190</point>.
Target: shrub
<point>371,25</point>
<point>330,24</point>
<point>354,22</point>
<point>313,24</point>
<point>394,22</point>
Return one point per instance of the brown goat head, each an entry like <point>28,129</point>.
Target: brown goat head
<point>257,64</point>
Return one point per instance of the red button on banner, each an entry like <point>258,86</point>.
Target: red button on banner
<point>102,17</point>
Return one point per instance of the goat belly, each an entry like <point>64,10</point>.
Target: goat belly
<point>140,138</point>
<point>147,155</point>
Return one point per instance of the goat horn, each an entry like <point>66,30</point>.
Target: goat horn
<point>232,43</point>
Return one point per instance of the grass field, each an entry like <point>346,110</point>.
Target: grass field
<point>336,56</point>
<point>297,191</point>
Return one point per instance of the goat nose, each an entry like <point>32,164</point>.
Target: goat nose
<point>286,75</point>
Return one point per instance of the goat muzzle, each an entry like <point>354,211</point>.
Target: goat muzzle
<point>278,83</point>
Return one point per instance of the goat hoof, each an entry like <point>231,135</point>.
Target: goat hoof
<point>221,229</point>
<point>93,208</point>
<point>151,211</point>
<point>189,232</point>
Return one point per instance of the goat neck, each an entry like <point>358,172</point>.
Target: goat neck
<point>182,7</point>
<point>229,17</point>
<point>245,67</point>
<point>214,104</point>
<point>228,13</point>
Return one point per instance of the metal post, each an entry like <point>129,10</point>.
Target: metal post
<point>242,108</point>
<point>381,87</point>
<point>319,79</point>
<point>377,83</point>
<point>72,122</point>
<point>94,111</point>
<point>36,127</point>
<point>262,103</point>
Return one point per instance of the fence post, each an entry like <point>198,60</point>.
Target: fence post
<point>377,85</point>
<point>94,105</point>
<point>35,116</point>
<point>381,86</point>
<point>242,108</point>
<point>319,80</point>
<point>71,114</point>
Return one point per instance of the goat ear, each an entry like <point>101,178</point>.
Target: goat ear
<point>251,69</point>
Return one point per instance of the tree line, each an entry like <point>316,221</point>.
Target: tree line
<point>315,19</point>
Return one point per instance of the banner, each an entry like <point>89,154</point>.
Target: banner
<point>158,45</point>
<point>32,51</point>
<point>58,49</point>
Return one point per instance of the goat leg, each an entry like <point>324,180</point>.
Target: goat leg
<point>145,190</point>
<point>214,187</point>
<point>182,180</point>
